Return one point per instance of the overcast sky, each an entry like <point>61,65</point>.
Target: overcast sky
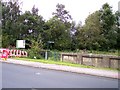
<point>79,9</point>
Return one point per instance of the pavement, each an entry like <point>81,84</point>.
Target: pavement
<point>89,71</point>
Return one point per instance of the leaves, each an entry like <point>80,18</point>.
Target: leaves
<point>107,24</point>
<point>61,13</point>
<point>58,32</point>
<point>100,32</point>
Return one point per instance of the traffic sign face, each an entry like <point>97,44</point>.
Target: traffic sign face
<point>20,44</point>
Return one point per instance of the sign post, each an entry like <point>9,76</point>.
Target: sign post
<point>46,53</point>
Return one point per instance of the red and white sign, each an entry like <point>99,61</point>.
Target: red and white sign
<point>5,53</point>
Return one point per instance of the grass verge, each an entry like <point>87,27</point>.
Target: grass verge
<point>63,63</point>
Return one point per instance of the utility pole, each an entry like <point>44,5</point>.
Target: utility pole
<point>0,24</point>
<point>119,6</point>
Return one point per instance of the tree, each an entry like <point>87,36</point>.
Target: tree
<point>36,47</point>
<point>117,27</point>
<point>58,32</point>
<point>61,13</point>
<point>73,31</point>
<point>31,26</point>
<point>63,27</point>
<point>89,36</point>
<point>27,26</point>
<point>107,24</point>
<point>10,14</point>
<point>35,10</point>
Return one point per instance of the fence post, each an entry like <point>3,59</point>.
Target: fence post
<point>80,60</point>
<point>46,55</point>
<point>106,61</point>
<point>61,57</point>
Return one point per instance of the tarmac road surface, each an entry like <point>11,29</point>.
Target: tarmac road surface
<point>18,76</point>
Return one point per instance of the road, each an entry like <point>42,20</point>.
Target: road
<point>18,76</point>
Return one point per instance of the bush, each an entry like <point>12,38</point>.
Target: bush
<point>36,46</point>
<point>34,54</point>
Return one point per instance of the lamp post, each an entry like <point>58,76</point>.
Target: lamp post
<point>0,34</point>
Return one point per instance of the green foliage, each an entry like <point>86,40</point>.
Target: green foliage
<point>36,47</point>
<point>117,17</point>
<point>61,13</point>
<point>10,14</point>
<point>108,26</point>
<point>57,29</point>
<point>19,26</point>
<point>59,33</point>
<point>33,54</point>
<point>100,32</point>
<point>89,36</point>
<point>55,62</point>
<point>30,25</point>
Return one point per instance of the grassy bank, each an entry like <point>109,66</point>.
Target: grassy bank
<point>63,63</point>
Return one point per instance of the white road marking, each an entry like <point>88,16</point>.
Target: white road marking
<point>37,73</point>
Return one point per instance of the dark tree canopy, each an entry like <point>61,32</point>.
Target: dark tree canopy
<point>61,13</point>
<point>101,30</point>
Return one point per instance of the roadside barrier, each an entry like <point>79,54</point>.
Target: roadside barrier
<point>18,53</point>
<point>5,53</point>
